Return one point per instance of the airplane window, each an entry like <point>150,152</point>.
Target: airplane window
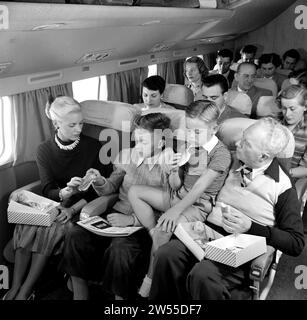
<point>103,88</point>
<point>90,89</point>
<point>152,70</point>
<point>6,135</point>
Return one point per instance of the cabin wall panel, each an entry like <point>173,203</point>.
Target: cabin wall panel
<point>279,35</point>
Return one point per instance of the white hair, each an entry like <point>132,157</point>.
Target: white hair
<point>60,107</point>
<point>276,136</point>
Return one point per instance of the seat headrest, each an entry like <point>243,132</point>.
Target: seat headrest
<point>267,107</point>
<point>178,94</point>
<point>178,120</point>
<point>268,84</point>
<point>231,131</point>
<point>110,114</point>
<point>239,101</point>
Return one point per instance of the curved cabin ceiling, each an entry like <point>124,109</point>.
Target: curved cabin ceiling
<point>117,32</point>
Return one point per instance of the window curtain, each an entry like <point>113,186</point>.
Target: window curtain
<point>172,71</point>
<point>31,125</point>
<point>126,86</point>
<point>210,60</point>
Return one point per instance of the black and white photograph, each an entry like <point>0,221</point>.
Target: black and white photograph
<point>153,156</point>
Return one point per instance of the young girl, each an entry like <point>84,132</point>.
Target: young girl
<point>207,163</point>
<point>119,261</point>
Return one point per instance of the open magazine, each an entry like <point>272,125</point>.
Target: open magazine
<point>101,227</point>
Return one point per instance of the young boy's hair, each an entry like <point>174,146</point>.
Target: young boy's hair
<point>152,121</point>
<point>203,109</point>
<point>154,83</point>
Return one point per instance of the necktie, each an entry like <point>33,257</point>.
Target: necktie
<point>246,174</point>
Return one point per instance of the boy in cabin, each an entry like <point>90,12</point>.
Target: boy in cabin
<point>207,161</point>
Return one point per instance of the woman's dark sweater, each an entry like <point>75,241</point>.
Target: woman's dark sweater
<point>57,167</point>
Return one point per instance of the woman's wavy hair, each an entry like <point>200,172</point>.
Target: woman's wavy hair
<point>291,92</point>
<point>203,69</point>
<point>57,108</point>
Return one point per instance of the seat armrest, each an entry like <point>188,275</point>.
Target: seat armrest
<point>261,264</point>
<point>34,187</point>
<point>98,206</point>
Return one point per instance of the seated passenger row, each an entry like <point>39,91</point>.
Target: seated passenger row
<point>191,193</point>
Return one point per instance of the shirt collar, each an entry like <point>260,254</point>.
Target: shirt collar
<point>271,169</point>
<point>196,85</point>
<point>209,145</point>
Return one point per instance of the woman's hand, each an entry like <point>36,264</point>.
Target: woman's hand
<point>66,193</point>
<point>65,214</point>
<point>74,182</point>
<point>120,220</point>
<point>99,179</point>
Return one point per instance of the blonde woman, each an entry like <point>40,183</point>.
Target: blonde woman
<point>293,102</point>
<point>62,162</point>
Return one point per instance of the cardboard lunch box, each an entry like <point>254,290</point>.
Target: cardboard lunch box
<point>233,250</point>
<point>22,214</point>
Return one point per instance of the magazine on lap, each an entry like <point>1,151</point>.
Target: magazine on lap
<point>101,227</point>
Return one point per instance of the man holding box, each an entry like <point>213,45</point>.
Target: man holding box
<point>260,200</point>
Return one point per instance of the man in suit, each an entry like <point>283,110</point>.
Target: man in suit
<point>214,88</point>
<point>245,77</point>
<point>223,63</point>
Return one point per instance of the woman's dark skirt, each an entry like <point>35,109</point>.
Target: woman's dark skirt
<point>119,264</point>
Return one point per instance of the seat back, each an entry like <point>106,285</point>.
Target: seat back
<point>178,95</point>
<point>267,107</point>
<point>110,122</point>
<point>268,84</point>
<point>239,101</point>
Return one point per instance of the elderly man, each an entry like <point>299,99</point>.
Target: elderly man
<point>245,77</point>
<point>261,202</point>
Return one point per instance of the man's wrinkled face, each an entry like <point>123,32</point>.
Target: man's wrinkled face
<point>246,77</point>
<point>249,148</point>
